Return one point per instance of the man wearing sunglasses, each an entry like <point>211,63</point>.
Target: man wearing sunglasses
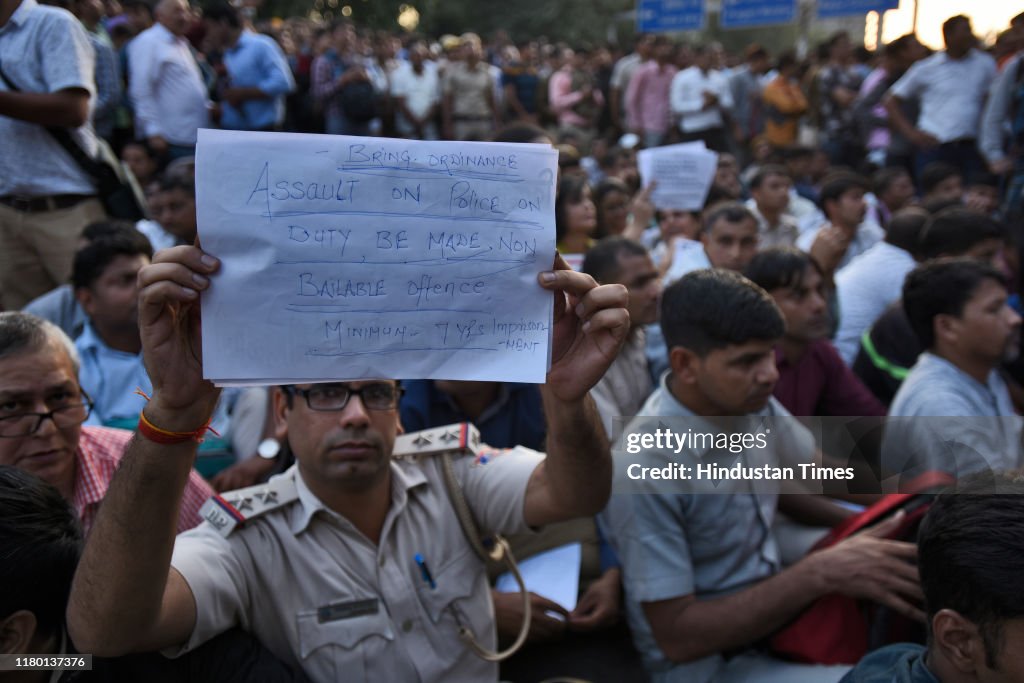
<point>364,573</point>
<point>42,408</point>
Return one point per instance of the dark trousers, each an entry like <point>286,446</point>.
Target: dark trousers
<point>716,139</point>
<point>961,153</point>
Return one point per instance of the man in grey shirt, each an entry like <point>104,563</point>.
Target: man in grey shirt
<point>964,420</point>
<point>702,569</point>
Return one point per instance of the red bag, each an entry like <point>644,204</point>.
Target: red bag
<point>837,629</point>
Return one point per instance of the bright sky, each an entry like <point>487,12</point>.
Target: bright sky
<point>988,17</point>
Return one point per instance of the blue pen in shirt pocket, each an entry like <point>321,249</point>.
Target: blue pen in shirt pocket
<point>428,578</point>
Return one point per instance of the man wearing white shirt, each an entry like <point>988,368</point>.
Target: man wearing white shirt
<point>950,88</point>
<point>874,280</point>
<point>166,87</point>
<point>846,235</point>
<point>700,96</point>
<point>417,92</point>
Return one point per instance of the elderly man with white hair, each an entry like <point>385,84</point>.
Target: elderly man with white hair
<point>42,408</point>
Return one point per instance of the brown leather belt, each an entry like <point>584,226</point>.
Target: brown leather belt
<point>53,202</point>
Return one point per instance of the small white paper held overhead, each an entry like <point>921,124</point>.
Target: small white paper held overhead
<point>349,258</point>
<point>683,172</point>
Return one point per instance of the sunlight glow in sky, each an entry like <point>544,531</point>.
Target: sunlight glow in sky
<point>988,17</point>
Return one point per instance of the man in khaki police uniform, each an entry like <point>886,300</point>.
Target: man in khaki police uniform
<point>324,570</point>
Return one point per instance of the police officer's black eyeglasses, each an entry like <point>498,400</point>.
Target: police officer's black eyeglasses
<point>333,397</point>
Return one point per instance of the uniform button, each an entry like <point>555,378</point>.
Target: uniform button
<point>407,625</point>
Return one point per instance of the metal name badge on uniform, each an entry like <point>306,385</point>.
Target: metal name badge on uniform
<point>347,610</point>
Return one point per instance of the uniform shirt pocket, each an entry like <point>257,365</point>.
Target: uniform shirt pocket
<point>348,642</point>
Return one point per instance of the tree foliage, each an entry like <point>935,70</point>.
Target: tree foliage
<point>578,22</point>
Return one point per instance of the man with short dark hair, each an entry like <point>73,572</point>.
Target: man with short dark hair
<point>968,551</point>
<point>702,572</point>
<point>627,383</point>
<point>941,181</point>
<point>104,277</point>
<point>889,347</point>
<point>951,87</point>
<point>728,240</point>
<point>894,190</point>
<point>258,74</point>
<point>381,577</point>
<point>813,379</point>
<point>42,408</point>
<point>769,202</point>
<point>41,540</point>
<point>958,310</point>
<point>846,235</point>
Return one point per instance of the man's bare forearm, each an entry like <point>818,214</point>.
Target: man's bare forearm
<point>62,109</point>
<point>579,464</point>
<point>706,627</point>
<point>119,587</point>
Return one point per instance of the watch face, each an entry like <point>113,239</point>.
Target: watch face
<point>268,448</point>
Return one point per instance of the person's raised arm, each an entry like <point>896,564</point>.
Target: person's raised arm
<point>125,597</point>
<point>590,326</point>
<point>864,566</point>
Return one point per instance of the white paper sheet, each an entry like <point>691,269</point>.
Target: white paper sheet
<point>683,172</point>
<point>349,258</point>
<point>553,574</point>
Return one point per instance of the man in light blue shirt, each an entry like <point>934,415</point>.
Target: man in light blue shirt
<point>259,74</point>
<point>104,279</point>
<point>964,420</point>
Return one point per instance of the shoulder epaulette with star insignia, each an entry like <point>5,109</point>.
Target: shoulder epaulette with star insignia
<point>461,438</point>
<point>232,508</point>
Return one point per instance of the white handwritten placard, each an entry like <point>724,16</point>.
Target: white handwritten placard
<point>350,258</point>
<point>683,172</point>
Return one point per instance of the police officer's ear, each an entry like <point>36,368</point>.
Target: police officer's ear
<point>282,403</point>
<point>17,631</point>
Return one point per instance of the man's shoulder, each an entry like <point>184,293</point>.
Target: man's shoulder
<point>232,510</point>
<point>932,388</point>
<point>900,663</point>
<point>48,17</point>
<point>104,442</point>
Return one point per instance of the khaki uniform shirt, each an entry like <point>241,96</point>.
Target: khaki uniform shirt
<point>469,88</point>
<point>320,595</point>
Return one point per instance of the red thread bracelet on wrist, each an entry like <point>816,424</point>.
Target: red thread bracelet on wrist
<point>162,436</point>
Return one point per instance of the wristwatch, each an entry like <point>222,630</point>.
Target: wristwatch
<point>269,448</point>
